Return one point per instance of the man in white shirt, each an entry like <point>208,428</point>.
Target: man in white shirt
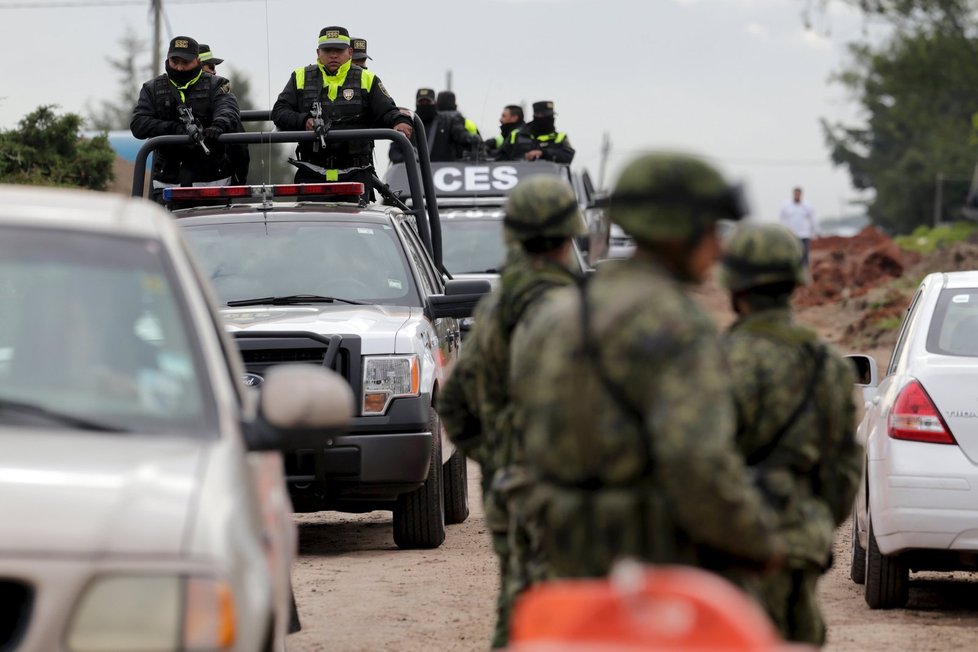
<point>800,218</point>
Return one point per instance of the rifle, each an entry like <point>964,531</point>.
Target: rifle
<point>192,127</point>
<point>320,125</point>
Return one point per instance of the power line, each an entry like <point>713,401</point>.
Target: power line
<point>86,4</point>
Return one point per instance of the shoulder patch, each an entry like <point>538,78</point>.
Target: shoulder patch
<point>383,90</point>
<point>226,87</point>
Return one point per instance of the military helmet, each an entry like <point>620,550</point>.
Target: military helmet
<point>669,197</point>
<point>542,207</point>
<point>762,254</point>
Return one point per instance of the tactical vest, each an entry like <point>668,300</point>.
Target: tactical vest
<point>197,97</point>
<point>346,104</point>
<point>181,164</point>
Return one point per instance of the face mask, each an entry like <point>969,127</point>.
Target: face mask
<point>181,77</point>
<point>543,125</point>
<point>427,112</point>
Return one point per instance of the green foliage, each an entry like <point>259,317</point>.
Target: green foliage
<point>47,150</point>
<point>889,323</point>
<point>926,239</point>
<point>918,91</point>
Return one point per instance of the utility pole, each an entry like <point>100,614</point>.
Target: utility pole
<point>156,6</point>
<point>605,151</point>
<point>448,80</point>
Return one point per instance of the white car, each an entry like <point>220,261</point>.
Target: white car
<point>141,507</point>
<point>918,507</point>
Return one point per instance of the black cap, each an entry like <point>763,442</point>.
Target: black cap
<point>545,108</point>
<point>206,56</point>
<point>183,47</point>
<point>334,37</point>
<point>446,101</point>
<point>425,94</point>
<point>360,49</point>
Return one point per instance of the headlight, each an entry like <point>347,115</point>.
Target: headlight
<point>158,613</point>
<point>386,377</point>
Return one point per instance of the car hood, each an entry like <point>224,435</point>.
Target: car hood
<point>371,323</point>
<point>84,494</point>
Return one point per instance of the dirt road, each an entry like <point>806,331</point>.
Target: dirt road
<point>357,592</point>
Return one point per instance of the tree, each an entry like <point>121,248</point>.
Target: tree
<point>918,91</point>
<point>47,150</point>
<point>114,115</point>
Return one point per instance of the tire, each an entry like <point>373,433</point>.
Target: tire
<point>857,565</point>
<point>419,516</point>
<point>456,478</point>
<point>887,578</point>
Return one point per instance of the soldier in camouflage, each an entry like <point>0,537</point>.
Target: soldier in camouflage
<point>625,406</point>
<point>476,406</point>
<point>795,419</point>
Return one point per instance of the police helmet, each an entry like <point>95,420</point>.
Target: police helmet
<point>670,197</point>
<point>542,207</point>
<point>762,254</point>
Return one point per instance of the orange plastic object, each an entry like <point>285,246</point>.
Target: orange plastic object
<point>660,608</point>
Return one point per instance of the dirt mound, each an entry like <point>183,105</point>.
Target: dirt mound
<point>843,268</point>
<point>861,286</point>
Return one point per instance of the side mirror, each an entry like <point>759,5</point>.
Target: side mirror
<point>866,371</point>
<point>459,299</point>
<point>299,404</point>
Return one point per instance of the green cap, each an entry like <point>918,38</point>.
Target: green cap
<point>542,207</point>
<point>762,254</point>
<point>668,197</point>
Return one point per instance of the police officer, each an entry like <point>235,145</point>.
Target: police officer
<point>541,217</point>
<point>625,405</point>
<point>350,97</point>
<point>448,108</point>
<point>360,52</point>
<point>157,114</point>
<point>510,121</point>
<point>539,139</point>
<point>795,419</point>
<point>445,130</point>
<point>207,59</point>
<point>238,153</point>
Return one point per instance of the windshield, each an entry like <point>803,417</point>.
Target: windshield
<point>349,261</point>
<point>473,245</point>
<point>93,335</point>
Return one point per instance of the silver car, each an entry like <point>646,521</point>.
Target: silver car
<point>141,492</point>
<point>918,507</point>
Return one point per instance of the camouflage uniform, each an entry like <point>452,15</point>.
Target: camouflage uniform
<point>475,404</point>
<point>795,421</point>
<point>628,428</point>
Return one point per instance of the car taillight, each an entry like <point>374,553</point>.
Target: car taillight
<point>915,417</point>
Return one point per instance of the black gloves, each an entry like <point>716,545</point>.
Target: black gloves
<point>212,132</point>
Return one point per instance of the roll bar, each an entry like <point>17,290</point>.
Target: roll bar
<point>424,205</point>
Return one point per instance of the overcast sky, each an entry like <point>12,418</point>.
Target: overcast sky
<point>740,81</point>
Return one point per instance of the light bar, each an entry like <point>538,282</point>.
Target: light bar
<point>350,188</point>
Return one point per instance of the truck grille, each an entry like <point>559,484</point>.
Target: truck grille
<point>263,350</point>
<point>16,598</point>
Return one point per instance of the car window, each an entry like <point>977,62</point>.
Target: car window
<point>904,330</point>
<point>347,260</point>
<point>954,326</point>
<point>416,252</point>
<point>94,327</point>
<point>472,246</point>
